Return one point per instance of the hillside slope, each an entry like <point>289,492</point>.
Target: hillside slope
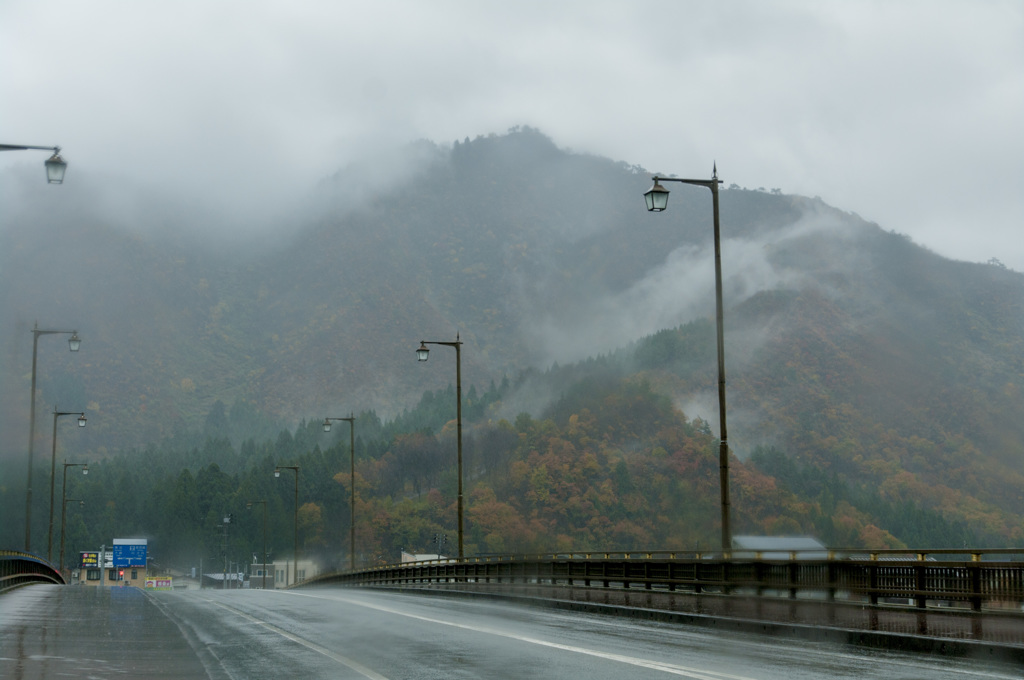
<point>849,349</point>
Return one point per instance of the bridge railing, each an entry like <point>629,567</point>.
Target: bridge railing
<point>970,579</point>
<point>18,569</point>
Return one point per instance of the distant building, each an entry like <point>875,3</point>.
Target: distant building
<point>421,557</point>
<point>282,573</point>
<point>778,548</point>
<point>97,568</point>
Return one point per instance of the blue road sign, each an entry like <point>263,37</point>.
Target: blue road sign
<point>129,552</point>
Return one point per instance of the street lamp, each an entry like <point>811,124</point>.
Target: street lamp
<point>53,470</point>
<point>351,420</point>
<point>226,524</point>
<point>63,516</point>
<point>74,342</point>
<point>422,354</point>
<point>249,506</point>
<point>657,201</point>
<point>63,504</point>
<point>295,552</point>
<point>55,165</point>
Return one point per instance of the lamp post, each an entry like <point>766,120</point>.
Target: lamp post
<point>55,165</point>
<point>226,524</point>
<point>295,552</point>
<point>53,471</point>
<point>63,504</point>
<point>351,420</point>
<point>264,503</point>
<point>657,201</point>
<point>63,516</point>
<point>74,342</point>
<point>422,354</point>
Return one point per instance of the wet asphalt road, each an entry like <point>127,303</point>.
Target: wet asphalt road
<point>80,632</point>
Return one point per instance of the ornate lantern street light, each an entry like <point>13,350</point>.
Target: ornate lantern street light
<point>295,554</point>
<point>53,471</point>
<point>64,505</point>
<point>249,506</point>
<point>422,354</point>
<point>351,420</point>
<point>74,342</point>
<point>55,165</point>
<point>657,201</point>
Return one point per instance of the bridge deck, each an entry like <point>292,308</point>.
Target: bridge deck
<point>66,631</point>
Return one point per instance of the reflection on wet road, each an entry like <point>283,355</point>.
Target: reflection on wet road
<point>48,632</point>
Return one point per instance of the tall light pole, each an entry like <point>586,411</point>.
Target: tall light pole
<point>351,420</point>
<point>264,503</point>
<point>74,342</point>
<point>226,524</point>
<point>657,201</point>
<point>53,471</point>
<point>63,516</point>
<point>295,552</point>
<point>64,506</point>
<point>55,165</point>
<point>422,354</point>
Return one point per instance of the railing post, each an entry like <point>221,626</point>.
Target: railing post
<point>919,585</point>
<point>974,572</point>
<point>873,581</point>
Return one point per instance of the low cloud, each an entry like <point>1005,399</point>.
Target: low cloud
<point>677,291</point>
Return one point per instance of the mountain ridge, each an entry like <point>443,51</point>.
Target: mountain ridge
<point>846,346</point>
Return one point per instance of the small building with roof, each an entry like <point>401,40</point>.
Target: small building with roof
<point>778,548</point>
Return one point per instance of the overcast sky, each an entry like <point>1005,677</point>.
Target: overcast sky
<point>910,114</point>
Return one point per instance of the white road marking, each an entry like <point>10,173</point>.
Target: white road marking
<point>853,658</point>
<point>344,660</point>
<point>674,669</point>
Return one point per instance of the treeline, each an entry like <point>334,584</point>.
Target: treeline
<point>610,463</point>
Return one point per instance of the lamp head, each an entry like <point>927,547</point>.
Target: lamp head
<point>277,472</point>
<point>422,353</point>
<point>74,342</point>
<point>55,168</point>
<point>81,420</point>
<point>327,424</point>
<point>656,197</point>
<point>85,470</point>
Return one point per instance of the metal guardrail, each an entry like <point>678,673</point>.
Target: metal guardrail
<point>975,555</point>
<point>19,569</point>
<point>979,580</point>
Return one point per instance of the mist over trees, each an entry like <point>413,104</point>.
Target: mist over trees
<point>874,387</point>
<point>610,463</point>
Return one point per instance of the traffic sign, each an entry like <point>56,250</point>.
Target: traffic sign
<point>129,552</point>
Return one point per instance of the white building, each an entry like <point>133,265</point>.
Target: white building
<point>282,573</point>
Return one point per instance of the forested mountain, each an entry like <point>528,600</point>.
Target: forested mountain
<point>874,387</point>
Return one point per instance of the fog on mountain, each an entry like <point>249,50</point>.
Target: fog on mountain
<point>869,379</point>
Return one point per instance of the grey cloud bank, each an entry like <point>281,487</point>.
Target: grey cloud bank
<point>905,112</point>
